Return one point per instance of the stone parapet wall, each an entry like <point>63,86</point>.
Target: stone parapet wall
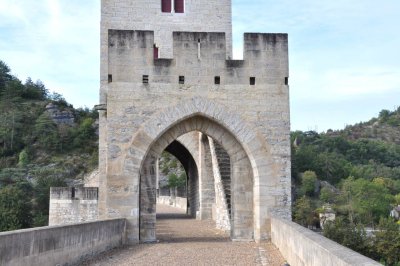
<point>177,202</point>
<point>60,245</point>
<point>301,246</point>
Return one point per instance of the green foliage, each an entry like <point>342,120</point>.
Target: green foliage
<point>362,162</point>
<point>387,241</point>
<point>37,152</point>
<point>365,201</point>
<point>396,199</point>
<point>45,130</point>
<point>41,187</point>
<point>173,169</point>
<point>175,181</point>
<point>327,196</point>
<point>308,183</point>
<point>15,208</point>
<point>349,235</point>
<point>23,159</point>
<point>5,76</point>
<point>303,212</point>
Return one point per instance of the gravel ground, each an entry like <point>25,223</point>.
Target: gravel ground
<point>184,241</point>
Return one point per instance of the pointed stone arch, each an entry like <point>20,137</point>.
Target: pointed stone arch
<point>249,151</point>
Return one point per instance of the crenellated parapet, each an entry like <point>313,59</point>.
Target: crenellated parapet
<point>70,205</point>
<point>198,59</point>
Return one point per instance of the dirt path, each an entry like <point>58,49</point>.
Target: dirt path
<point>184,241</point>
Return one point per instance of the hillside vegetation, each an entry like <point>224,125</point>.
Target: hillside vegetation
<point>355,172</point>
<point>44,142</point>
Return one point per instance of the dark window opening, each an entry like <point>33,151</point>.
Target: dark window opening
<point>217,80</point>
<point>73,193</point>
<point>179,6</point>
<point>252,81</point>
<point>181,79</point>
<point>145,79</point>
<point>286,80</point>
<point>166,6</point>
<point>155,52</point>
<point>109,78</point>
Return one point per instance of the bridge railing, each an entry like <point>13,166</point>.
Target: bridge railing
<point>59,245</point>
<point>301,246</point>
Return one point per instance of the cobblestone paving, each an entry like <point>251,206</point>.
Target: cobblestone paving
<point>185,241</point>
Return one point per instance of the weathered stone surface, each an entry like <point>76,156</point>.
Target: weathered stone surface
<point>301,246</point>
<point>180,96</point>
<point>60,245</point>
<point>73,205</point>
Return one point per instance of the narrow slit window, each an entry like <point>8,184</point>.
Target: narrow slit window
<point>286,80</point>
<point>155,51</point>
<point>217,80</point>
<point>166,6</point>
<point>198,49</point>
<point>73,193</point>
<point>145,79</point>
<point>252,81</point>
<point>181,79</point>
<point>109,78</point>
<point>179,6</point>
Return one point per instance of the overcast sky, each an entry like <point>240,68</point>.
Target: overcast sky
<point>344,54</point>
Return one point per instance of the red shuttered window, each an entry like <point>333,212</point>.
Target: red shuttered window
<point>166,6</point>
<point>155,52</point>
<point>179,6</point>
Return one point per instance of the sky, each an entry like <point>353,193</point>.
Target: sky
<point>344,55</point>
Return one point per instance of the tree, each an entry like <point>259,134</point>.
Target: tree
<point>43,181</point>
<point>348,234</point>
<point>23,159</point>
<point>304,212</point>
<point>387,241</point>
<point>15,209</point>
<point>5,76</point>
<point>384,115</point>
<point>397,199</point>
<point>46,132</point>
<point>327,195</point>
<point>308,183</point>
<point>366,201</point>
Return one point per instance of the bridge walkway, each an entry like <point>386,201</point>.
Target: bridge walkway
<point>186,241</point>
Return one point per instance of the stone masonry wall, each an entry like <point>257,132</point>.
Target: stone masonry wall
<point>60,245</point>
<point>222,217</point>
<point>73,205</point>
<point>264,106</point>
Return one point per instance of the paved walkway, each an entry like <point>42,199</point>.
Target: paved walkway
<point>185,241</point>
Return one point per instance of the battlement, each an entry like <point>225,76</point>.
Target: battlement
<point>196,55</point>
<point>71,193</point>
<point>73,205</point>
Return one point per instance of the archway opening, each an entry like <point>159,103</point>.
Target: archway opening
<point>225,177</point>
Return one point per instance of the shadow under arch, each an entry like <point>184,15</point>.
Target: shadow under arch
<point>185,157</point>
<point>242,178</point>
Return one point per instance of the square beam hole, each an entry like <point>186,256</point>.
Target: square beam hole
<point>252,81</point>
<point>181,79</point>
<point>217,80</point>
<point>145,79</point>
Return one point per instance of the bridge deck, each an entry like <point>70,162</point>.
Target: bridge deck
<point>185,241</point>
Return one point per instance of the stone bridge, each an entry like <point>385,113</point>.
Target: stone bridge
<point>168,82</point>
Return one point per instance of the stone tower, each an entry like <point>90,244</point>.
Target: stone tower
<point>168,83</point>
